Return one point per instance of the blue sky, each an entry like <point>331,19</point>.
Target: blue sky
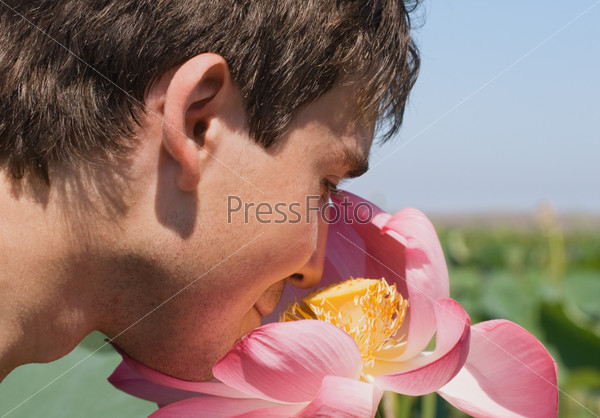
<point>505,114</point>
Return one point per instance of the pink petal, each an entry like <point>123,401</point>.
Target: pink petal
<point>216,407</point>
<point>508,373</point>
<point>140,380</point>
<point>126,379</point>
<point>426,275</point>
<point>273,412</point>
<point>427,373</point>
<point>358,249</point>
<point>286,362</point>
<point>343,398</point>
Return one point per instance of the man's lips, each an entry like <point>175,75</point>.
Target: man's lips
<point>270,298</point>
<point>262,310</point>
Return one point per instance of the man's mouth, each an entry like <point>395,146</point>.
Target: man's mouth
<point>269,299</point>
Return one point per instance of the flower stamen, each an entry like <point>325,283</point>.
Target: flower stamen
<point>370,310</point>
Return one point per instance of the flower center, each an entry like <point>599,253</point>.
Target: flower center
<point>370,310</point>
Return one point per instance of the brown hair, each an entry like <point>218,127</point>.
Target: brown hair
<point>73,74</point>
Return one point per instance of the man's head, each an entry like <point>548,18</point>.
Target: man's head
<point>74,75</point>
<point>186,104</point>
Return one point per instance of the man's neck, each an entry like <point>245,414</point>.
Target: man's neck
<point>46,298</point>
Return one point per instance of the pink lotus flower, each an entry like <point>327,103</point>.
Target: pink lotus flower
<point>494,368</point>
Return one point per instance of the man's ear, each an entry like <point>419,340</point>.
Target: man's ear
<point>195,96</point>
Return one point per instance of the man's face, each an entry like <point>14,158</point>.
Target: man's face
<point>257,228</point>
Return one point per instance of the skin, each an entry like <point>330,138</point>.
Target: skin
<point>141,248</point>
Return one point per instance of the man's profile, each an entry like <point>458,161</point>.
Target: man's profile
<point>124,127</point>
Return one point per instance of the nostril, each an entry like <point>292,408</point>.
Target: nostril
<point>297,277</point>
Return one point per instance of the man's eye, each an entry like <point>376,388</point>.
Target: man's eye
<point>328,189</point>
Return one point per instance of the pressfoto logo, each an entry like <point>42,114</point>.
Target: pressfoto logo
<point>295,212</point>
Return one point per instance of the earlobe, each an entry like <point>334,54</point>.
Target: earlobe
<point>191,102</point>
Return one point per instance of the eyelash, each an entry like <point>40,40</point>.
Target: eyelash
<point>330,189</point>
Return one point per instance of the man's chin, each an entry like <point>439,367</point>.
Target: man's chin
<point>251,321</point>
<point>265,305</point>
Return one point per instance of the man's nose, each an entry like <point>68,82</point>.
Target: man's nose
<point>310,274</point>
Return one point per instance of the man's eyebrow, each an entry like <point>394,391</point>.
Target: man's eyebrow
<point>356,161</point>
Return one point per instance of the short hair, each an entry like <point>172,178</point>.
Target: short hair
<point>74,74</point>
